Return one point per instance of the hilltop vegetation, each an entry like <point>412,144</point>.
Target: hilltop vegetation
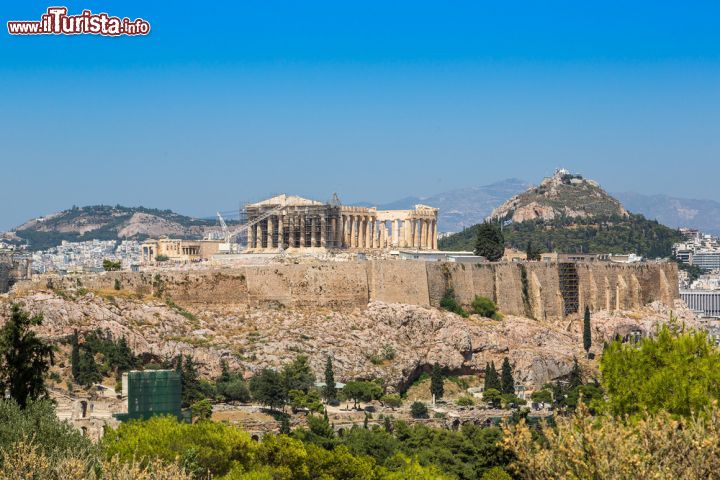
<point>104,222</point>
<point>615,234</point>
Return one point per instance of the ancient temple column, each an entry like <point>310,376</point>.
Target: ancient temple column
<point>302,231</point>
<point>357,236</point>
<point>376,235</point>
<point>401,234</point>
<point>258,235</point>
<point>348,230</point>
<point>405,233</point>
<point>416,240</point>
<point>313,232</point>
<point>251,237</point>
<point>362,233</point>
<point>425,235</point>
<point>270,222</point>
<point>353,229</point>
<point>369,240</point>
<point>434,235</point>
<point>382,235</point>
<point>338,229</point>
<point>281,232</point>
<point>324,233</point>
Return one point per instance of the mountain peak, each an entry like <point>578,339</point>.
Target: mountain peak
<point>563,194</point>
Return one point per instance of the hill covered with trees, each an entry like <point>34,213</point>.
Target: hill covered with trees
<point>105,222</point>
<point>610,234</point>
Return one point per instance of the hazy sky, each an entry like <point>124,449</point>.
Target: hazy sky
<point>231,101</point>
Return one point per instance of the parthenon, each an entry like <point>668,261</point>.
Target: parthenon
<point>293,222</point>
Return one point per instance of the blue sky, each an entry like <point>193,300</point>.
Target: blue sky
<point>232,101</point>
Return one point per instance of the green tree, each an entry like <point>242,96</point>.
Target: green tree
<point>450,303</point>
<point>418,410</point>
<point>436,382</point>
<point>587,334</point>
<point>110,266</point>
<point>392,400</point>
<point>267,387</point>
<point>542,396</point>
<point>362,391</point>
<point>677,371</point>
<point>507,381</point>
<point>202,409</point>
<point>329,391</point>
<point>490,242</point>
<point>285,425</point>
<point>298,375</point>
<point>496,473</point>
<point>39,421</point>
<point>491,377</point>
<point>25,358</point>
<point>492,396</point>
<point>531,253</point>
<point>192,389</point>
<point>88,370</point>
<point>231,386</point>
<point>575,375</point>
<point>465,401</point>
<point>485,307</point>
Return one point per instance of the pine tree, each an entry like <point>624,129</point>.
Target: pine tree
<point>224,372</point>
<point>329,391</point>
<point>587,334</point>
<point>190,381</point>
<point>491,377</point>
<point>24,358</point>
<point>490,242</point>
<point>285,425</point>
<point>575,376</point>
<point>75,357</point>
<point>508,384</point>
<point>531,253</point>
<point>436,382</point>
<point>88,369</point>
<point>387,424</point>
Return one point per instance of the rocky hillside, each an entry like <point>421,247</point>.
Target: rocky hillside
<point>562,195</point>
<point>105,222</point>
<point>390,341</point>
<point>570,214</point>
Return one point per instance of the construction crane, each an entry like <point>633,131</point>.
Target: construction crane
<point>228,246</point>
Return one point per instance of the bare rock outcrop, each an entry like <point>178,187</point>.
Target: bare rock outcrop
<point>390,341</point>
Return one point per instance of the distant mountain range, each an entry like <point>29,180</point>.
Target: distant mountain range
<point>675,212</point>
<point>464,207</point>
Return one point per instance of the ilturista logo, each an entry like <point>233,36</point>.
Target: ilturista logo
<point>57,22</point>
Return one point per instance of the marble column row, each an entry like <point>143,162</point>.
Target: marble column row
<point>366,232</point>
<point>356,231</point>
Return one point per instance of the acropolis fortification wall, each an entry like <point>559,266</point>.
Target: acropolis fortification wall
<point>533,289</point>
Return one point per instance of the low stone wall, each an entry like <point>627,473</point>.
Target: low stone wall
<point>530,289</point>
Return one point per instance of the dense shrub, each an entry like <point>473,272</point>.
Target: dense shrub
<point>485,307</point>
